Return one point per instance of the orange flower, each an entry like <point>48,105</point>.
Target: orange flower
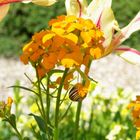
<point>67,43</point>
<point>69,77</point>
<point>49,61</point>
<point>71,27</point>
<point>135,106</point>
<point>67,80</point>
<point>41,71</point>
<point>9,101</point>
<point>137,123</point>
<point>73,56</point>
<point>5,108</point>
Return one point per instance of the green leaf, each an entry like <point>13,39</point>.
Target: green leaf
<point>55,71</point>
<point>12,120</point>
<point>44,136</point>
<point>26,138</point>
<point>66,112</point>
<point>94,81</point>
<point>36,134</point>
<point>40,122</point>
<point>22,87</point>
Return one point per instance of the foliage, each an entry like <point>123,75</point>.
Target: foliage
<point>24,20</point>
<point>21,22</point>
<point>106,115</point>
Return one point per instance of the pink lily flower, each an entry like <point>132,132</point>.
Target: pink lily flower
<point>4,5</point>
<point>100,12</point>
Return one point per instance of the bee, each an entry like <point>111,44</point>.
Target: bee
<point>74,94</point>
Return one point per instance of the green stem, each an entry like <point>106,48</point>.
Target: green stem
<point>14,127</point>
<point>48,105</point>
<point>91,118</point>
<point>40,96</point>
<point>19,135</point>
<point>56,133</point>
<point>48,100</point>
<point>78,111</point>
<point>76,126</point>
<point>41,100</point>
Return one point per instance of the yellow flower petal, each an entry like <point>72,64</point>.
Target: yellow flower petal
<point>72,37</point>
<point>138,135</point>
<point>88,24</point>
<point>86,37</point>
<point>96,52</point>
<point>47,37</point>
<point>84,45</point>
<point>58,31</point>
<point>26,46</point>
<point>68,62</point>
<point>9,101</point>
<point>70,18</point>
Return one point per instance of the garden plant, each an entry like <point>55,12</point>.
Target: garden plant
<point>61,57</point>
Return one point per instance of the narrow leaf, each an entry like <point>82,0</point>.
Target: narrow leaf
<point>40,122</point>
<point>12,120</point>
<point>66,112</point>
<point>22,87</point>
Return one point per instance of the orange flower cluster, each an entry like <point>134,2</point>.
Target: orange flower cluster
<point>70,42</point>
<point>135,106</point>
<point>5,108</point>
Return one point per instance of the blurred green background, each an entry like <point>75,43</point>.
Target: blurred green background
<point>23,20</point>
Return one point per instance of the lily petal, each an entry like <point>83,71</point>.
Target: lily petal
<point>133,26</point>
<point>76,7</point>
<point>96,7</point>
<point>130,55</point>
<point>107,25</point>
<point>4,2</point>
<point>125,33</point>
<point>44,2</point>
<point>3,11</point>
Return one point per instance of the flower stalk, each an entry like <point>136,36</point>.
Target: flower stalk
<point>40,96</point>
<point>79,106</point>
<point>57,108</point>
<point>48,100</point>
<point>76,126</point>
